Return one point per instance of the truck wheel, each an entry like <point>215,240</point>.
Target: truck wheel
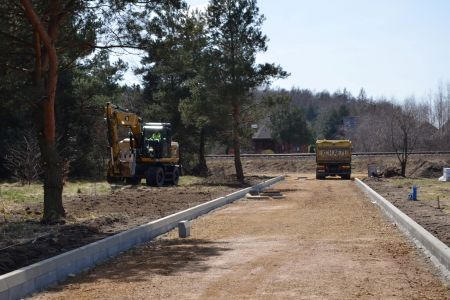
<point>320,177</point>
<point>175,176</point>
<point>346,177</point>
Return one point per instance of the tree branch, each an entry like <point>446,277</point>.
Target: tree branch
<point>115,46</point>
<point>35,21</point>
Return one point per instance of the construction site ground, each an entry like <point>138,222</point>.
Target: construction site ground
<point>94,211</point>
<point>324,240</point>
<point>430,213</point>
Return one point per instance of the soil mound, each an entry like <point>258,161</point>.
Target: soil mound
<point>392,172</point>
<point>94,217</point>
<point>431,169</point>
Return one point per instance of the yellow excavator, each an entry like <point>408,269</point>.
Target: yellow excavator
<point>140,150</point>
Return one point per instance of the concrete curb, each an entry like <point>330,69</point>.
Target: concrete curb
<point>438,252</point>
<point>36,277</point>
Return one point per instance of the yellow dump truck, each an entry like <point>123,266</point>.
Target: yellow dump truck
<point>333,158</point>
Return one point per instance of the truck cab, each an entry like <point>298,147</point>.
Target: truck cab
<point>333,158</point>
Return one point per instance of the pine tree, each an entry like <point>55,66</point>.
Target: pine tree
<point>235,38</point>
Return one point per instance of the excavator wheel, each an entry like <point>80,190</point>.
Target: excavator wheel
<point>175,176</point>
<point>155,177</point>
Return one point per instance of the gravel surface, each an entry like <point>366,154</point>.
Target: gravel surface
<point>324,240</point>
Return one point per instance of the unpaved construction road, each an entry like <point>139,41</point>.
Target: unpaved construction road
<point>325,240</point>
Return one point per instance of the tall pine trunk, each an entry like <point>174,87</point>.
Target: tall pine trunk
<point>236,141</point>
<point>53,182</point>
<point>45,80</point>
<point>52,162</point>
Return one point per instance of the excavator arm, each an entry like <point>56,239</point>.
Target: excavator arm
<point>116,117</point>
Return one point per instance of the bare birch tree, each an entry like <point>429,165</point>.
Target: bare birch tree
<point>404,131</point>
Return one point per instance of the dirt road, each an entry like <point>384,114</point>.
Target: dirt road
<point>325,240</point>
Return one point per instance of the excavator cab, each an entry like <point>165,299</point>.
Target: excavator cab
<point>157,139</point>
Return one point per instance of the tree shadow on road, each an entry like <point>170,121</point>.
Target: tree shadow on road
<point>161,257</point>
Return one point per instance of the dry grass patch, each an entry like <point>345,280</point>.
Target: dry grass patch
<point>429,189</point>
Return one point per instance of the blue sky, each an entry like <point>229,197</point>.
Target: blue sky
<point>395,48</point>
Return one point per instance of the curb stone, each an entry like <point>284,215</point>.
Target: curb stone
<point>437,251</point>
<point>36,277</point>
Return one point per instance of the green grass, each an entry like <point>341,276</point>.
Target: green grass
<point>17,193</point>
<point>34,193</point>
<point>86,187</point>
<point>190,180</point>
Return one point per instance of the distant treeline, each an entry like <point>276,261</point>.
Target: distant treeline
<point>373,124</point>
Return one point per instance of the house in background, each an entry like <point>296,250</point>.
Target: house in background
<point>262,139</point>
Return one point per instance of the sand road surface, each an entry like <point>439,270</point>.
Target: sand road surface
<point>325,240</point>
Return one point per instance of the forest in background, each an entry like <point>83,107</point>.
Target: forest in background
<point>199,72</point>
<point>376,124</point>
<point>172,68</point>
